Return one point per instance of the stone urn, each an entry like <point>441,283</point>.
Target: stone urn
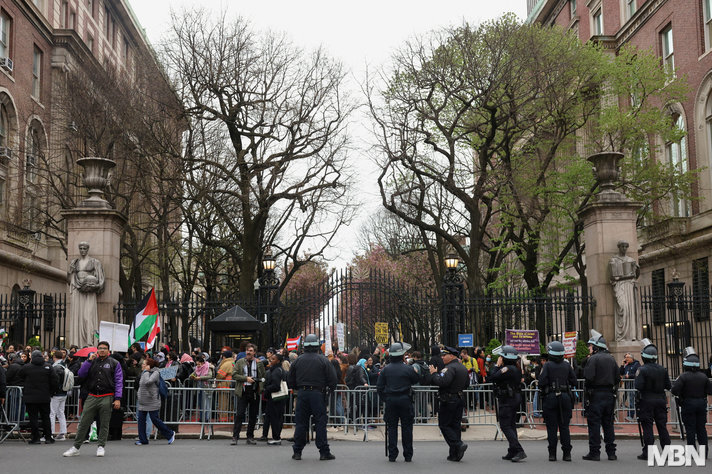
<point>607,171</point>
<point>96,177</point>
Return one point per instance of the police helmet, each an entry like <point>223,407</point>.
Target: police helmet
<point>509,352</point>
<point>649,350</point>
<point>311,342</point>
<point>397,349</point>
<point>691,359</point>
<point>555,349</point>
<point>597,340</point>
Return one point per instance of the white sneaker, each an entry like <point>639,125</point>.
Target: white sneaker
<point>100,452</point>
<point>60,437</point>
<point>71,452</point>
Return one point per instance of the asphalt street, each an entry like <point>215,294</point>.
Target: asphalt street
<point>192,455</point>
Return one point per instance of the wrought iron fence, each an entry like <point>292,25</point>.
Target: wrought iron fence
<point>416,315</point>
<point>675,319</point>
<point>29,314</point>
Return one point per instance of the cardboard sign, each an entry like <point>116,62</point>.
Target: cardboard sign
<point>340,338</point>
<point>327,341</point>
<point>525,341</point>
<point>381,333</point>
<point>570,343</point>
<point>117,335</point>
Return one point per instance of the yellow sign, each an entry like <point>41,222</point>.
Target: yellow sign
<point>381,333</point>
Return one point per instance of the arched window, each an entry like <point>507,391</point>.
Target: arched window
<point>32,157</point>
<point>4,126</point>
<point>676,155</point>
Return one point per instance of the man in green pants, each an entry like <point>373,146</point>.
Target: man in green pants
<point>105,381</point>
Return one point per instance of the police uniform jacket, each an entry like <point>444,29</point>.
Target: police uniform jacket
<point>557,373</point>
<point>452,379</point>
<point>396,379</point>
<point>505,376</point>
<point>313,370</point>
<point>601,371</point>
<point>652,380</point>
<point>692,384</point>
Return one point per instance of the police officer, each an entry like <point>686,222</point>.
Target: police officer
<point>692,388</point>
<point>602,378</point>
<point>310,375</point>
<point>394,386</point>
<point>651,381</point>
<point>557,382</point>
<point>507,378</point>
<point>451,381</point>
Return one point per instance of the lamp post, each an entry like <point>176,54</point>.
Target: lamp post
<point>453,295</point>
<point>268,291</point>
<point>27,326</point>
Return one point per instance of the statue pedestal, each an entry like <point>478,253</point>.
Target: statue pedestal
<point>620,348</point>
<point>605,222</point>
<point>102,229</point>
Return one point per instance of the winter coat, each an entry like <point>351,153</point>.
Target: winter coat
<point>355,377</point>
<point>3,383</point>
<point>273,380</point>
<point>40,381</point>
<point>238,375</point>
<point>149,398</point>
<point>14,374</point>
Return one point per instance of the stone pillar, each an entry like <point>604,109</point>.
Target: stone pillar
<point>95,222</point>
<point>609,218</point>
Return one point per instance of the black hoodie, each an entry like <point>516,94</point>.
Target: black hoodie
<point>40,380</point>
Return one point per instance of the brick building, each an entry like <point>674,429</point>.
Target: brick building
<point>40,42</point>
<point>679,243</point>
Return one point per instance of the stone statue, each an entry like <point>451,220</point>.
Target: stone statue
<point>86,281</point>
<point>624,272</point>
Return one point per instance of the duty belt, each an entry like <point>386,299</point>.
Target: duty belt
<point>446,396</point>
<point>311,387</point>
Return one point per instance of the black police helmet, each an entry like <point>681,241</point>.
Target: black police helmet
<point>649,350</point>
<point>555,349</point>
<point>509,353</point>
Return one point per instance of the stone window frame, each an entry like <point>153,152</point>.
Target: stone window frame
<point>37,73</point>
<point>678,207</point>
<point>667,47</point>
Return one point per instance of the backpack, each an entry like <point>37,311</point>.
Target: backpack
<point>68,381</point>
<point>162,387</point>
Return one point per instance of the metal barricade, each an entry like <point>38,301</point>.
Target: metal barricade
<point>12,413</point>
<point>212,404</point>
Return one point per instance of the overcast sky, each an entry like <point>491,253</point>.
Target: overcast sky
<point>360,34</point>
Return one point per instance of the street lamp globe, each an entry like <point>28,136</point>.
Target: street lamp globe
<point>452,261</point>
<point>268,262</point>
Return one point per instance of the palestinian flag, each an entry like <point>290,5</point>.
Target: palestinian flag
<point>147,323</point>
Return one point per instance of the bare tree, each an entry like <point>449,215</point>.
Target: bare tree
<point>276,118</point>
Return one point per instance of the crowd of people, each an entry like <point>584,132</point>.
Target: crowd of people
<point>265,379</point>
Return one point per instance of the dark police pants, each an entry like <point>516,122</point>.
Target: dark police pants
<point>694,415</point>
<point>653,410</point>
<point>508,407</point>
<point>310,403</point>
<point>450,423</point>
<point>600,413</point>
<point>557,415</point>
<point>399,407</point>
<point>247,402</point>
